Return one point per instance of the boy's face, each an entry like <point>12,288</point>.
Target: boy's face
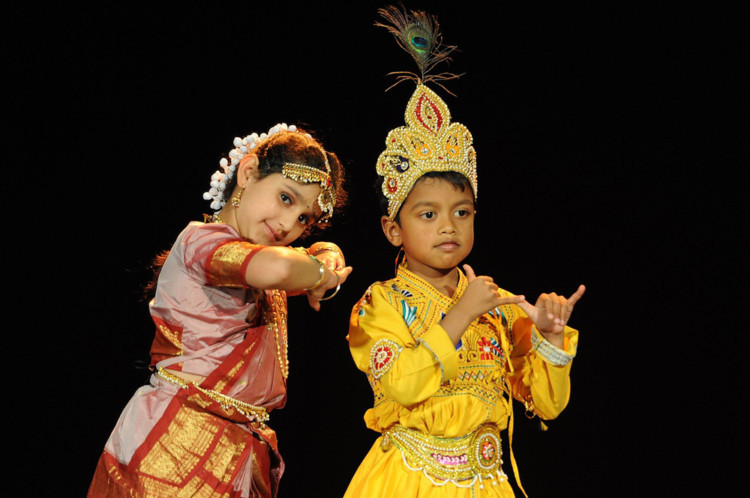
<point>436,227</point>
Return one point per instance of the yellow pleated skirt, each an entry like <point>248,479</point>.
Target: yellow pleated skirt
<point>385,474</point>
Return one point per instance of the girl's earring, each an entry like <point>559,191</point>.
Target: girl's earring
<point>238,197</point>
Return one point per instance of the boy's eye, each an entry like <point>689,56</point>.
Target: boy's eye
<point>428,215</point>
<point>462,212</point>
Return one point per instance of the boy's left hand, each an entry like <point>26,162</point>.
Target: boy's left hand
<point>551,313</point>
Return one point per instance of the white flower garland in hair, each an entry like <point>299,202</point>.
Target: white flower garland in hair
<point>222,177</point>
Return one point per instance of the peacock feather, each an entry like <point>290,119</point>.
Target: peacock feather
<point>418,33</point>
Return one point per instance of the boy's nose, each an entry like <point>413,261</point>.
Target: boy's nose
<point>448,228</point>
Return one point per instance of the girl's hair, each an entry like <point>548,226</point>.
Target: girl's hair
<point>283,147</point>
<point>301,148</point>
<point>459,182</point>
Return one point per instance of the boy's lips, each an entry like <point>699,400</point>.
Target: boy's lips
<point>448,245</point>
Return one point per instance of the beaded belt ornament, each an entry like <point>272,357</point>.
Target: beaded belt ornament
<point>250,411</point>
<point>460,460</point>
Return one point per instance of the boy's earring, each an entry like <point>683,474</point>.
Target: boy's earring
<point>398,255</point>
<point>238,197</point>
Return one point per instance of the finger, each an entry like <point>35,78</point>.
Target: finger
<point>314,303</point>
<point>543,305</point>
<point>566,310</point>
<point>512,300</point>
<point>556,306</point>
<point>343,274</point>
<point>572,300</point>
<point>526,306</point>
<point>469,273</point>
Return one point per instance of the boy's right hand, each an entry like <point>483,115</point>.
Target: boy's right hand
<point>481,295</point>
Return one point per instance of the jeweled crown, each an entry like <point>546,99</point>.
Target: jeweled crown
<point>429,142</point>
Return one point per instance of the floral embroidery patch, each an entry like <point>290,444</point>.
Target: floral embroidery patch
<point>382,356</point>
<point>489,347</point>
<point>409,313</point>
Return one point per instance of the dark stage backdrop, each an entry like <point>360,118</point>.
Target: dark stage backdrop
<point>603,146</point>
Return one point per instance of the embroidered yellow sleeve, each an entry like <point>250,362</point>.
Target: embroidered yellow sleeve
<point>541,379</point>
<point>405,370</point>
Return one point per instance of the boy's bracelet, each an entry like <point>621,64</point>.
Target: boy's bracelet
<point>322,270</point>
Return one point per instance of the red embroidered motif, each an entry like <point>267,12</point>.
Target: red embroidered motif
<point>382,355</point>
<point>485,348</point>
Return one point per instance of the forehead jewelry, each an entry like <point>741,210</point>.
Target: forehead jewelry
<point>242,146</point>
<point>307,174</point>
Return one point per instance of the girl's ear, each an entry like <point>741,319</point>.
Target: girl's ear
<point>391,230</point>
<point>247,169</point>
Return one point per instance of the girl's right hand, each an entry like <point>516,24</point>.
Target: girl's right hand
<point>332,279</point>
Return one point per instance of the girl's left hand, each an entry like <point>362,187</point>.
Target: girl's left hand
<point>329,254</point>
<point>551,313</point>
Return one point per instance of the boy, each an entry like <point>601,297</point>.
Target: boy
<point>446,351</point>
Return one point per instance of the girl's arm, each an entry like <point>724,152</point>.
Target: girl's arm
<point>288,269</point>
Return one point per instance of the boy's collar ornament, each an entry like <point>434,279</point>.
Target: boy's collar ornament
<point>297,172</point>
<point>429,141</point>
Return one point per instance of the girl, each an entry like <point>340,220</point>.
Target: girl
<point>219,354</point>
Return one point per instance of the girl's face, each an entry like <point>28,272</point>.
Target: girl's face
<point>276,210</point>
<point>436,227</point>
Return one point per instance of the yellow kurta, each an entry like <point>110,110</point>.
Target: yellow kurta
<point>421,381</point>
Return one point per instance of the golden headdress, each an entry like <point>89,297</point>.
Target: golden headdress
<point>429,141</point>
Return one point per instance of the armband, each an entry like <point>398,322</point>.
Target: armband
<point>548,351</point>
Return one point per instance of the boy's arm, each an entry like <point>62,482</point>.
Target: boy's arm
<point>541,376</point>
<point>408,370</point>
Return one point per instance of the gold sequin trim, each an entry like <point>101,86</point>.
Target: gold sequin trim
<point>460,460</point>
<point>250,411</point>
<point>225,268</point>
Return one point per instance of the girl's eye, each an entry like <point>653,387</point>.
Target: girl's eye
<point>303,219</point>
<point>285,198</point>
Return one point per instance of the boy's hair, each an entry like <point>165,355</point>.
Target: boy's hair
<point>457,180</point>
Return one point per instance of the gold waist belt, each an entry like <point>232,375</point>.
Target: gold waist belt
<point>460,460</point>
<point>250,411</point>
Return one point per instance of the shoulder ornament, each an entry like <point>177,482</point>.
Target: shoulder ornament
<point>382,355</point>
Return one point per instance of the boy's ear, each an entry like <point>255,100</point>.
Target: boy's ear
<point>391,230</point>
<point>247,169</point>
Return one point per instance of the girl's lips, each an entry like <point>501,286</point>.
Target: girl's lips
<point>271,234</point>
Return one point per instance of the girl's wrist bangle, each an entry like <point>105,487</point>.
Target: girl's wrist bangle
<point>338,286</point>
<point>322,270</point>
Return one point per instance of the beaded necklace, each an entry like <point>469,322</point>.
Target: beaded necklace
<point>276,319</point>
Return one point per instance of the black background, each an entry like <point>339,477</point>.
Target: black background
<point>608,148</point>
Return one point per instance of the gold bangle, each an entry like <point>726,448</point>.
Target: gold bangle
<point>322,272</point>
<point>338,286</point>
<point>327,248</point>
